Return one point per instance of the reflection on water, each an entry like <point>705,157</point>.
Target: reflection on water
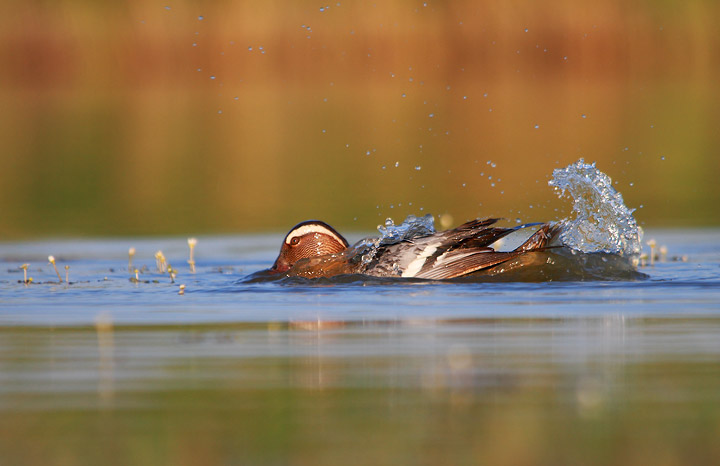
<point>536,390</point>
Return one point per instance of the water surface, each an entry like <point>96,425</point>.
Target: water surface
<point>356,372</point>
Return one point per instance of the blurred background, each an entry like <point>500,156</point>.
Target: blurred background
<point>177,117</point>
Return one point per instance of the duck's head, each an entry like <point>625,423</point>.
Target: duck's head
<point>308,239</point>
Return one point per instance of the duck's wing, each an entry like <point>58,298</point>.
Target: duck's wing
<point>457,262</point>
<point>416,257</point>
<point>472,255</point>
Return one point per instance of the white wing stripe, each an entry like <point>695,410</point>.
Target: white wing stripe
<point>415,266</point>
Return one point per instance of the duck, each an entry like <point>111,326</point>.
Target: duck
<point>314,249</point>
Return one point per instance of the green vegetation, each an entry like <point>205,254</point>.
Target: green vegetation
<point>136,119</point>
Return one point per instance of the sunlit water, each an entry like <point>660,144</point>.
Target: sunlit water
<point>594,368</point>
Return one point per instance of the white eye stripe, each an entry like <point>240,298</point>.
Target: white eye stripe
<point>312,228</point>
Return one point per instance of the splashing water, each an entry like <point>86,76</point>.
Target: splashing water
<point>411,227</point>
<point>600,221</point>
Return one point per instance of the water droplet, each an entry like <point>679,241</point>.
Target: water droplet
<point>464,97</point>
<point>367,152</point>
<point>250,49</point>
<point>200,18</point>
<point>418,168</point>
<point>212,77</point>
<point>397,164</point>
<point>564,58</point>
<point>537,126</point>
<point>237,97</point>
<point>404,95</point>
<point>431,115</point>
<point>383,167</point>
<point>219,111</point>
<point>324,131</point>
<point>583,115</point>
<point>167,7</point>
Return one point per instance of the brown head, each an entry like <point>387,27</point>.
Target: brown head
<point>308,239</point>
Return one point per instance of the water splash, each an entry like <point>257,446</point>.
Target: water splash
<point>411,227</point>
<point>600,221</point>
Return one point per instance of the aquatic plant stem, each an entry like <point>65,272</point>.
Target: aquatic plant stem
<point>51,259</point>
<point>131,254</point>
<point>652,245</point>
<point>192,242</point>
<point>25,277</point>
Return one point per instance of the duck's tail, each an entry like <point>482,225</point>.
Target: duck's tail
<point>541,238</point>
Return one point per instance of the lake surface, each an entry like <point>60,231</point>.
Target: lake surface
<point>358,372</point>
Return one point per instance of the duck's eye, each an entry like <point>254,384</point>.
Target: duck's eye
<point>295,241</point>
